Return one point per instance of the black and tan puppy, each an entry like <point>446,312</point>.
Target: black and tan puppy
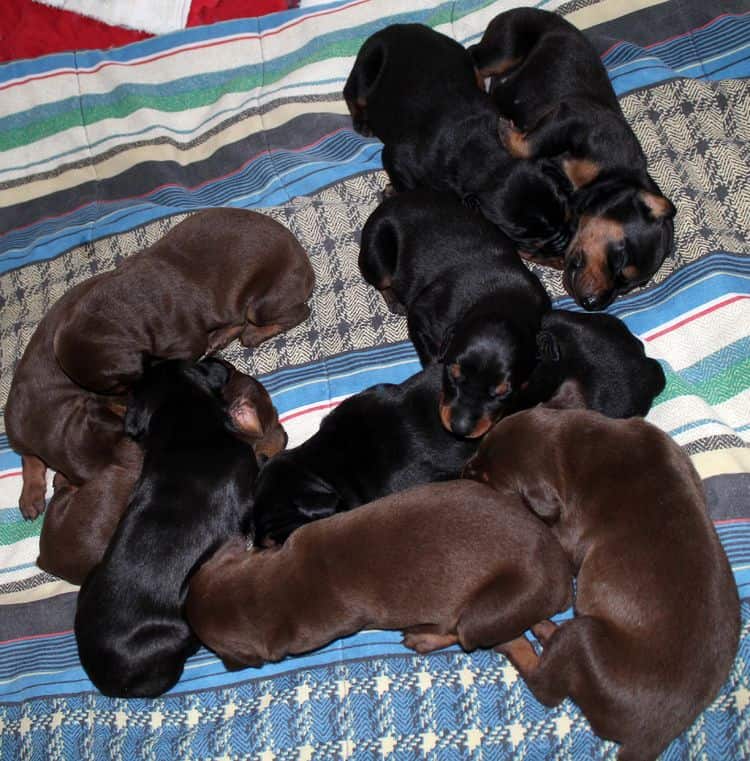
<point>417,91</point>
<point>446,563</point>
<point>657,614</point>
<point>470,302</point>
<point>218,275</point>
<point>194,492</point>
<point>382,440</point>
<point>80,520</point>
<point>601,356</point>
<point>558,103</point>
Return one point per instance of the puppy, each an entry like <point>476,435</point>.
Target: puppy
<point>547,78</point>
<point>470,301</point>
<point>604,360</point>
<point>657,613</point>
<point>194,492</point>
<point>382,440</point>
<point>218,275</point>
<point>417,91</point>
<point>451,562</point>
<point>80,521</point>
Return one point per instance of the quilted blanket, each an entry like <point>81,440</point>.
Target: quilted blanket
<point>101,153</point>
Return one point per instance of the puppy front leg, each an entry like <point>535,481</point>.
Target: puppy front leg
<point>31,502</point>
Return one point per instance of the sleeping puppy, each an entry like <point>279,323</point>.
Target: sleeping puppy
<point>601,356</point>
<point>470,301</point>
<point>194,492</point>
<point>80,521</point>
<point>657,614</point>
<point>417,91</point>
<point>446,563</point>
<point>547,79</point>
<point>218,275</point>
<point>382,440</point>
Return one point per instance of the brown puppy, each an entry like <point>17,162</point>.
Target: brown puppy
<point>218,275</point>
<point>448,562</point>
<point>80,521</point>
<point>657,612</point>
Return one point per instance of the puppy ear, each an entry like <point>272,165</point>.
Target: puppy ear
<point>447,338</point>
<point>319,499</point>
<point>246,418</point>
<point>214,372</point>
<point>547,347</point>
<point>542,498</point>
<point>137,418</point>
<point>569,396</point>
<point>658,206</point>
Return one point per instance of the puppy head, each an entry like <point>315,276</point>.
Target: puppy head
<point>485,363</point>
<point>599,352</point>
<point>623,234</point>
<point>288,495</point>
<point>531,206</point>
<point>362,81</point>
<point>253,416</point>
<point>164,378</point>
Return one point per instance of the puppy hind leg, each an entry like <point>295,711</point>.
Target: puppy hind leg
<point>559,131</point>
<point>254,333</point>
<point>501,611</point>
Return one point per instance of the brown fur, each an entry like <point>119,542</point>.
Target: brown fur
<point>449,562</point>
<point>657,611</point>
<point>218,275</point>
<point>80,521</point>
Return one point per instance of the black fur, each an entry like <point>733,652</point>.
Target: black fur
<point>194,492</point>
<point>417,91</point>
<point>470,301</point>
<point>382,440</point>
<point>557,102</point>
<point>602,357</point>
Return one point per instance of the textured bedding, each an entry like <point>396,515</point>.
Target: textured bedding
<point>102,152</point>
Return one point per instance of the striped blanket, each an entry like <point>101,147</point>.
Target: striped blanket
<point>101,153</point>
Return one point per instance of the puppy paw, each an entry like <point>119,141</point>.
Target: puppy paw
<point>389,191</point>
<point>426,642</point>
<point>544,630</point>
<point>32,503</point>
<point>513,139</point>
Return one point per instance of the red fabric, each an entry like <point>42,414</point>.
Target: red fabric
<point>29,29</point>
<point>209,11</point>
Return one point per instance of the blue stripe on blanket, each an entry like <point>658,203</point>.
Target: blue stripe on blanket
<point>719,51</point>
<point>48,665</point>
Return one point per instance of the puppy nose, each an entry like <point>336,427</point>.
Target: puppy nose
<point>461,425</point>
<point>589,302</point>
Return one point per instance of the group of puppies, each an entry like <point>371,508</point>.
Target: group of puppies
<point>150,512</point>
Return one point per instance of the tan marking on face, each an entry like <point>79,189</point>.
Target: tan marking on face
<point>455,371</point>
<point>445,415</point>
<point>484,425</point>
<point>631,272</point>
<point>580,171</point>
<point>593,238</point>
<point>515,143</point>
